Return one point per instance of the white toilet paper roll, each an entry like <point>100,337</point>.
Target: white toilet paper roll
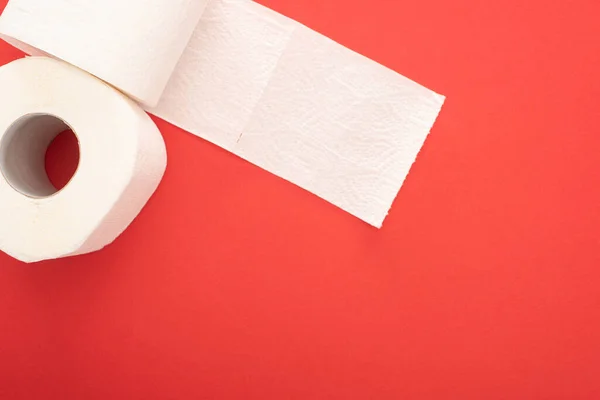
<point>250,80</point>
<point>122,160</point>
<point>134,44</point>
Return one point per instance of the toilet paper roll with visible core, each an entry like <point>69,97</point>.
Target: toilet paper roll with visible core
<point>122,160</point>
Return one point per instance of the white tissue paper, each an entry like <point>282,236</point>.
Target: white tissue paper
<point>132,44</point>
<point>122,159</point>
<point>251,81</point>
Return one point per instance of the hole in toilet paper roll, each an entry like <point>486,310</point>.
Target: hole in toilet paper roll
<point>23,154</point>
<point>62,159</point>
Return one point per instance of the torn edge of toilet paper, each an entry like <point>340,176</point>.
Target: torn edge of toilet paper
<point>299,105</point>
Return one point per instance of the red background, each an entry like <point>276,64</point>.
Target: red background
<point>232,284</point>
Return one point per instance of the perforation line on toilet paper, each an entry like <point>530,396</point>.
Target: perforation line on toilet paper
<point>283,97</point>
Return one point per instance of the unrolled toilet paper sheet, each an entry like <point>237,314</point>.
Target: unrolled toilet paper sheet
<point>301,106</point>
<point>260,85</point>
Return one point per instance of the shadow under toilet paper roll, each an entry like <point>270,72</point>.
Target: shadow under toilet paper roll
<point>122,160</point>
